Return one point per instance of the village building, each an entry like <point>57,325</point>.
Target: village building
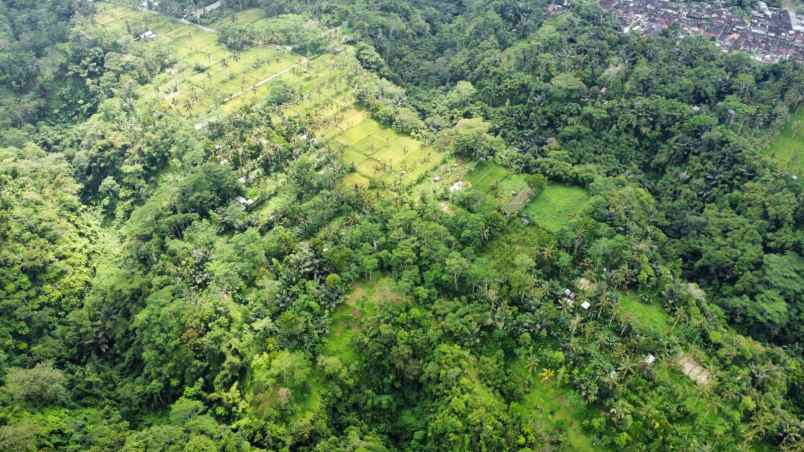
<point>768,34</point>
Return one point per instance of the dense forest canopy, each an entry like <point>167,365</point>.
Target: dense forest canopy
<point>376,225</point>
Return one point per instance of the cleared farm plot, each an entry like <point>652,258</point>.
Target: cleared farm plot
<point>509,190</point>
<point>484,177</point>
<point>645,317</point>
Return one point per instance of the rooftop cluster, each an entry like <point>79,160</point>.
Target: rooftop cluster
<point>769,34</point>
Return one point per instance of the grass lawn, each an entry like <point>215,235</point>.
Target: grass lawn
<point>556,206</point>
<point>645,318</point>
<point>787,147</point>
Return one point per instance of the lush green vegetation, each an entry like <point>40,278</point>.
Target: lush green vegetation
<point>648,318</point>
<point>340,225</point>
<point>787,147</point>
<point>364,300</point>
<point>557,206</point>
<point>552,407</point>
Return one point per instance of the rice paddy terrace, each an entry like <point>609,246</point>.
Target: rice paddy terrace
<point>209,81</point>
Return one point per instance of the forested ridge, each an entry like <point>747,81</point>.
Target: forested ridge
<point>373,225</point>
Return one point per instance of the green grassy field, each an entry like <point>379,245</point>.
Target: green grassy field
<point>485,176</point>
<point>509,190</point>
<point>363,301</point>
<point>787,148</point>
<point>382,155</point>
<point>559,408</point>
<point>645,318</point>
<point>556,206</point>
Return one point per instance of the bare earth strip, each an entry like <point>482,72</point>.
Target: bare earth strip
<point>694,370</point>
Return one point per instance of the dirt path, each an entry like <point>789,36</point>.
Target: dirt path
<point>234,96</point>
<point>169,17</point>
<point>262,82</point>
<point>187,22</point>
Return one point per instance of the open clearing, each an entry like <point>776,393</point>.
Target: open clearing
<point>645,318</point>
<point>787,148</point>
<point>551,407</point>
<point>554,208</point>
<point>509,190</point>
<point>695,371</point>
<point>557,206</point>
<point>363,301</point>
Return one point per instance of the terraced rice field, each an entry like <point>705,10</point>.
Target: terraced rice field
<point>208,81</point>
<point>382,156</point>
